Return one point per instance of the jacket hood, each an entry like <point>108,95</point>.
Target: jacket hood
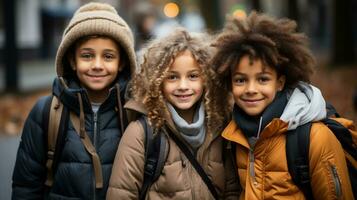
<point>134,109</point>
<point>305,104</point>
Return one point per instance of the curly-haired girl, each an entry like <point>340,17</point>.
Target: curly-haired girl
<point>179,91</point>
<point>267,65</point>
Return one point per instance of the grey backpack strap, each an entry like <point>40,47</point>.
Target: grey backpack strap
<point>155,156</point>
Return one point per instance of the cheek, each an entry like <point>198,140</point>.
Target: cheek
<point>271,94</point>
<point>237,92</point>
<point>199,88</point>
<point>166,89</point>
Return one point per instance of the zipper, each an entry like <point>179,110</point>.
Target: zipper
<point>95,120</point>
<point>251,166</point>
<point>252,142</point>
<point>337,181</point>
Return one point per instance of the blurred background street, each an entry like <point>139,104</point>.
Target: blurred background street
<point>31,30</point>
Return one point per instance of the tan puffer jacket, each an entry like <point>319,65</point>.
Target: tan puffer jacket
<point>178,180</point>
<point>328,171</point>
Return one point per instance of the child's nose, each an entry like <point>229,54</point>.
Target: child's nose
<point>98,63</point>
<point>251,87</point>
<point>183,84</point>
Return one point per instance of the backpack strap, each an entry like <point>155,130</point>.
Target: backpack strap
<point>297,155</point>
<point>331,111</point>
<point>53,117</point>
<point>195,164</point>
<point>91,150</point>
<point>155,156</point>
<point>229,155</point>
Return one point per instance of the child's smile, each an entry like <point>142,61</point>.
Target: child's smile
<point>252,102</point>
<point>183,97</point>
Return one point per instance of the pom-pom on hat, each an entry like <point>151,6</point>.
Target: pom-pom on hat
<point>96,19</point>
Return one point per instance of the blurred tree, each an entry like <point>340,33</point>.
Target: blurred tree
<point>10,48</point>
<point>256,5</point>
<point>343,38</point>
<point>293,10</point>
<point>211,13</point>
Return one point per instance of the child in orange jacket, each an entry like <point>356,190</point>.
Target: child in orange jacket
<point>267,65</point>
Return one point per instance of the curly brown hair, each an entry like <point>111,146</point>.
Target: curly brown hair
<point>275,41</point>
<point>146,86</point>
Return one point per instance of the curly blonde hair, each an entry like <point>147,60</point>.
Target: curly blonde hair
<point>146,86</point>
<point>275,41</point>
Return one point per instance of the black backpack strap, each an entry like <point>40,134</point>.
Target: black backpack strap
<point>155,156</point>
<point>331,111</point>
<point>195,164</point>
<point>297,155</point>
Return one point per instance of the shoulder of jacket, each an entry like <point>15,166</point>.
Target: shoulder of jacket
<point>37,110</point>
<point>135,129</point>
<point>322,139</point>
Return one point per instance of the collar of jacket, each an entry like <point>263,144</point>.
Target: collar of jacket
<point>233,133</point>
<point>66,91</point>
<point>136,108</point>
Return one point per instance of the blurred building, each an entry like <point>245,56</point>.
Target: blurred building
<point>40,23</point>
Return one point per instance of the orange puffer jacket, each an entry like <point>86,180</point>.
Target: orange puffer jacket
<point>263,171</point>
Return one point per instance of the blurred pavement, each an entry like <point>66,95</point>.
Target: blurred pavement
<point>33,75</point>
<point>8,150</point>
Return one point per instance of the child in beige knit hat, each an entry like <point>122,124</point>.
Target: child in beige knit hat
<point>94,63</point>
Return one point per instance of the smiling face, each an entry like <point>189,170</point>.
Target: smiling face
<point>183,85</point>
<point>96,63</point>
<point>254,86</point>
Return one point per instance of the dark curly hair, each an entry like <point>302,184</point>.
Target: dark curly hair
<point>146,86</point>
<point>275,41</point>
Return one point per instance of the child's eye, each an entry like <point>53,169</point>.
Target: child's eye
<point>86,56</point>
<point>263,79</point>
<point>194,76</point>
<point>239,81</point>
<point>109,57</point>
<point>172,77</point>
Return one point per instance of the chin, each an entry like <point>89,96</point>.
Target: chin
<point>183,107</point>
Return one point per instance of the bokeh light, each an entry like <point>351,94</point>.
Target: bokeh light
<point>240,14</point>
<point>171,10</point>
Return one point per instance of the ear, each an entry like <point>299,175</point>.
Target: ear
<point>281,82</point>
<point>122,63</point>
<point>121,66</point>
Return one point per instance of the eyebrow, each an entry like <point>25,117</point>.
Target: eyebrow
<point>260,73</point>
<point>105,50</point>
<point>194,70</point>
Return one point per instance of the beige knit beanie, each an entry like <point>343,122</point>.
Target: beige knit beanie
<point>96,19</point>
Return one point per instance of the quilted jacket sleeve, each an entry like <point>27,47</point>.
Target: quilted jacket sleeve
<point>128,168</point>
<point>30,172</point>
<point>328,168</point>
